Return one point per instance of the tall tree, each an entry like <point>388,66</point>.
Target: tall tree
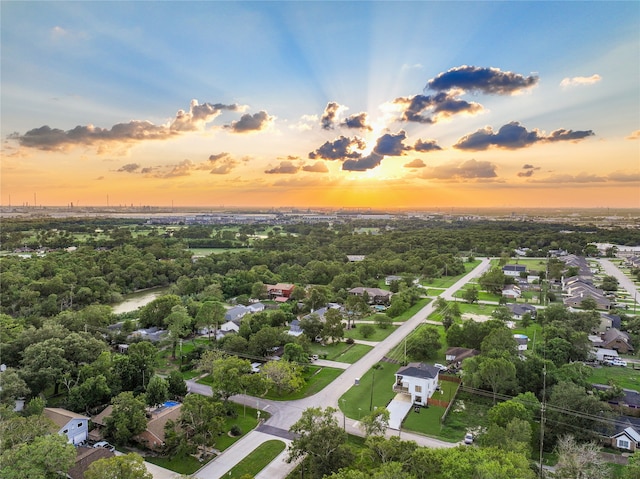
<point>179,324</point>
<point>283,375</point>
<point>424,343</point>
<point>333,328</point>
<point>355,309</point>
<point>201,419</point>
<point>43,458</point>
<point>211,313</point>
<point>320,438</point>
<point>127,419</point>
<point>157,391</point>
<point>580,460</point>
<point>128,466</point>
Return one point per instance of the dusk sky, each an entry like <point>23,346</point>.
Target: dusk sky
<point>418,105</point>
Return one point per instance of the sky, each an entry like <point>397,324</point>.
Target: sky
<point>409,105</point>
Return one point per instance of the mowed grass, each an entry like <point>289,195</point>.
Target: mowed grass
<point>627,378</point>
<point>184,464</point>
<point>342,352</point>
<point>378,334</point>
<point>356,401</point>
<point>259,458</point>
<point>316,379</point>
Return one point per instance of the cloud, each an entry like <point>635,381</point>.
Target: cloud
<point>634,135</point>
<point>579,81</point>
<point>247,123</point>
<point>568,135</point>
<point>285,167</point>
<point>513,136</point>
<point>417,163</point>
<point>624,177</point>
<point>183,168</point>
<point>129,168</point>
<point>485,80</point>
<point>317,167</point>
<point>339,149</point>
<point>391,145</point>
<point>415,66</point>
<point>51,139</point>
<point>470,169</point>
<point>359,121</point>
<point>528,171</point>
<point>330,115</point>
<point>426,145</point>
<point>221,164</point>
<point>364,163</point>
<point>429,109</point>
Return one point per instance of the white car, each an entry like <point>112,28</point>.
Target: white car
<point>441,367</point>
<point>106,445</point>
<point>468,438</point>
<point>619,362</point>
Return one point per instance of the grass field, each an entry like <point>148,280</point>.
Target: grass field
<point>316,379</point>
<point>624,377</point>
<point>378,335</point>
<point>356,401</point>
<point>257,460</point>
<point>342,352</point>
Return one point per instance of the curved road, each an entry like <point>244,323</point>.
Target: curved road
<point>285,414</point>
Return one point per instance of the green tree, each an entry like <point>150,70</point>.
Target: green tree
<point>424,343</point>
<point>295,353</point>
<point>367,330</point>
<point>320,438</point>
<point>283,375</point>
<point>355,309</point>
<point>499,343</point>
<point>43,365</point>
<point>128,466</point>
<point>470,295</point>
<point>177,385</point>
<point>211,313</point>
<point>589,303</point>
<point>228,376</point>
<point>179,325</point>
<point>127,419</point>
<point>12,387</point>
<point>201,419</point>
<point>333,328</point>
<point>92,392</point>
<point>43,458</point>
<point>18,430</point>
<point>312,326</point>
<point>493,281</point>
<point>375,423</point>
<point>157,391</point>
<point>155,313</point>
<point>382,321</point>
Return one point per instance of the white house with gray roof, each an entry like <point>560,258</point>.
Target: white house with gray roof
<point>418,380</point>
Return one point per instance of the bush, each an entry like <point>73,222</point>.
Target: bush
<point>235,430</point>
<point>350,341</point>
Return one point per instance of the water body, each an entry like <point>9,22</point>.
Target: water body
<point>134,301</point>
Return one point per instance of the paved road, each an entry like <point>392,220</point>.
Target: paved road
<point>623,281</point>
<point>285,414</point>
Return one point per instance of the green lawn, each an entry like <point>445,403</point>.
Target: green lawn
<point>316,379</point>
<point>342,352</point>
<point>181,464</point>
<point>356,401</point>
<point>257,460</point>
<point>378,335</point>
<point>624,377</point>
<point>398,352</point>
<point>412,310</point>
<point>427,420</point>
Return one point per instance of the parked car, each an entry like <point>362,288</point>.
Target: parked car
<point>619,362</point>
<point>105,445</point>
<point>441,367</point>
<point>468,438</point>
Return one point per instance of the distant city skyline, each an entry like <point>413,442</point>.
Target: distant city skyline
<point>399,105</point>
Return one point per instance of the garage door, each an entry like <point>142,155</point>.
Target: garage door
<point>78,438</point>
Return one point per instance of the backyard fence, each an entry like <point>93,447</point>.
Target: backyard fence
<point>448,404</point>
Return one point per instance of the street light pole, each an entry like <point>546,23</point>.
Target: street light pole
<point>373,380</point>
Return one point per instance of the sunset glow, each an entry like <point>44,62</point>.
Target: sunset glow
<point>321,104</point>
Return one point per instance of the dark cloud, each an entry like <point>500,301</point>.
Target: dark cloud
<point>49,139</point>
<point>364,163</point>
<point>528,171</point>
<point>426,145</point>
<point>284,168</point>
<point>391,145</point>
<point>221,164</point>
<point>513,136</point>
<point>470,169</point>
<point>624,177</point>
<point>359,121</point>
<point>417,163</point>
<point>485,80</point>
<point>183,168</point>
<point>246,123</point>
<point>527,167</point>
<point>317,167</point>
<point>568,135</point>
<point>129,168</point>
<point>339,149</point>
<point>146,171</point>
<point>429,108</point>
<point>329,116</point>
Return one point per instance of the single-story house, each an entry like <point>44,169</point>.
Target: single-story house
<point>236,313</point>
<point>74,426</point>
<point>153,334</point>
<point>518,310</point>
<point>630,398</point>
<point>419,380</point>
<point>602,354</point>
<point>376,295</point>
<point>295,329</point>
<point>513,270</point>
<point>85,456</point>
<point>618,340</point>
<point>256,307</point>
<point>153,436</point>
<point>230,326</point>
<point>354,258</point>
<point>391,278</point>
<point>608,321</point>
<point>627,439</point>
<point>511,291</point>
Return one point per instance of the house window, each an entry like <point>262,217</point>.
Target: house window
<point>419,399</point>
<point>65,431</point>
<point>623,444</point>
<point>79,424</point>
<point>418,389</point>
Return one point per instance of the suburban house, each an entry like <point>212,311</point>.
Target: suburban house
<point>456,355</point>
<point>608,321</point>
<point>85,456</point>
<point>627,439</point>
<point>280,292</point>
<point>236,313</point>
<point>376,295</point>
<point>294,329</point>
<point>629,398</point>
<point>577,290</point>
<point>522,340</point>
<point>256,307</point>
<point>418,380</point>
<point>320,312</point>
<point>74,426</point>
<point>602,354</point>
<point>391,278</point>
<point>513,270</point>
<point>518,310</point>
<point>153,436</point>
<point>511,291</point>
<point>618,340</point>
